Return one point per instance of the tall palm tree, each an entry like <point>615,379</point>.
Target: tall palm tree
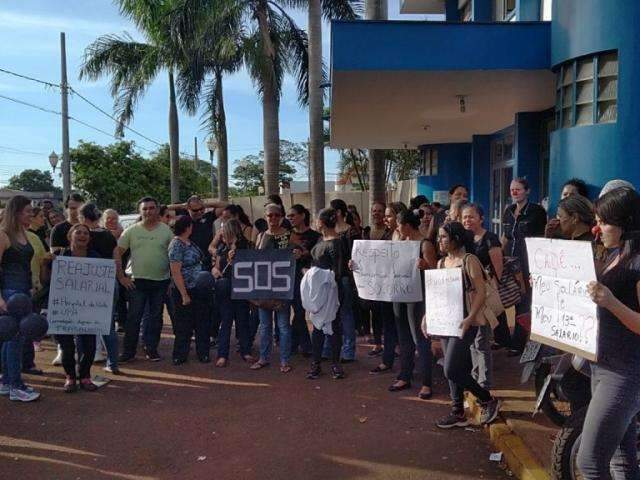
<point>376,10</point>
<point>133,66</point>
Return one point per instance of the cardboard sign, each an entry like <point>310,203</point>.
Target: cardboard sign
<point>444,301</point>
<point>562,313</point>
<point>387,271</point>
<point>81,296</point>
<point>263,275</point>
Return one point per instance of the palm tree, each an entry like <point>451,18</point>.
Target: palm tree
<point>133,66</point>
<point>376,10</point>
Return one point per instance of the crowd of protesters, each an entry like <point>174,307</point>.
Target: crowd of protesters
<point>161,258</point>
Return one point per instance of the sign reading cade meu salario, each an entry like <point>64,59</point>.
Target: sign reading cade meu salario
<point>81,296</point>
<point>386,270</point>
<point>263,275</point>
<point>562,312</point>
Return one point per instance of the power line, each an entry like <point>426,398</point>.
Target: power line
<point>17,150</point>
<point>21,102</point>
<point>26,77</point>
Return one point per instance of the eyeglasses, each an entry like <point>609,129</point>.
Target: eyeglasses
<point>197,210</point>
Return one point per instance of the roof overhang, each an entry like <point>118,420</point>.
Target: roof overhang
<point>398,84</point>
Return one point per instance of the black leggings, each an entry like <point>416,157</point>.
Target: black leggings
<point>335,340</point>
<point>85,359</point>
<point>457,369</point>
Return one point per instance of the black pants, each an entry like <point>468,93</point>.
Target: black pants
<point>457,369</point>
<point>384,312</point>
<point>408,317</point>
<point>85,357</point>
<point>190,319</point>
<point>335,340</point>
<point>28,355</point>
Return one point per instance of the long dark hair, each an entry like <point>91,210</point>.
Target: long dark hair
<point>621,208</point>
<point>458,235</point>
<point>328,217</point>
<point>340,205</point>
<point>302,210</point>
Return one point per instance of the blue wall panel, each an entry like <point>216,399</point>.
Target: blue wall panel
<point>598,153</point>
<point>454,166</point>
<point>528,10</point>
<point>483,10</point>
<point>527,150</point>
<point>481,170</point>
<point>394,45</point>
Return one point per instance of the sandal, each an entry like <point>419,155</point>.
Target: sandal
<point>382,368</point>
<point>70,385</point>
<point>87,385</point>
<point>375,352</point>
<point>425,393</point>
<point>258,365</point>
<point>248,358</point>
<point>397,386</point>
<point>221,362</point>
<point>286,368</point>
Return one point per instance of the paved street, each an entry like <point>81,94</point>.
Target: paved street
<point>199,422</point>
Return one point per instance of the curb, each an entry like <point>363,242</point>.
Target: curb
<point>517,456</point>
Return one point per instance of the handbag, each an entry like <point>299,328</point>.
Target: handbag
<point>508,288</point>
<point>492,307</point>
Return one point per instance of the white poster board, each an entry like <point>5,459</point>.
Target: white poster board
<point>562,313</point>
<point>386,270</point>
<point>81,296</point>
<point>444,301</point>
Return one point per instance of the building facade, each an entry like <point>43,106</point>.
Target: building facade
<point>498,89</point>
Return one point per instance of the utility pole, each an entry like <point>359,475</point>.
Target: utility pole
<point>64,91</point>
<point>195,154</point>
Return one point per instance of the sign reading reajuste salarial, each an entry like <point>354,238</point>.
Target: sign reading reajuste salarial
<point>387,270</point>
<point>562,313</point>
<point>444,310</point>
<point>263,275</point>
<point>81,296</point>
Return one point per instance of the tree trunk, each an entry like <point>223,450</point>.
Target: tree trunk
<point>270,106</point>
<point>221,139</point>
<point>174,147</point>
<point>316,128</point>
<point>376,10</point>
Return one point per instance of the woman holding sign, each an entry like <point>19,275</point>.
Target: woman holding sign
<point>79,237</point>
<point>409,315</point>
<point>453,242</point>
<point>609,437</point>
<point>275,237</point>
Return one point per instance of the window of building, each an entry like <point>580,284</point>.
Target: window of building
<point>509,10</point>
<point>429,162</point>
<point>587,90</point>
<point>546,9</point>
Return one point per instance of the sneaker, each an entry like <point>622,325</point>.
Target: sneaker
<point>99,357</point>
<point>152,356</point>
<point>5,389</point>
<point>125,357</point>
<point>25,394</point>
<point>489,411</point>
<point>452,420</point>
<point>314,372</point>
<point>113,370</point>
<point>58,360</point>
<point>337,372</point>
<point>87,385</point>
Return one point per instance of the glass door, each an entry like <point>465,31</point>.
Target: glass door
<point>502,163</point>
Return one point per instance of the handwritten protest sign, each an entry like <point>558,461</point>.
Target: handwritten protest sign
<point>263,275</point>
<point>81,296</point>
<point>562,313</point>
<point>444,310</point>
<point>387,270</point>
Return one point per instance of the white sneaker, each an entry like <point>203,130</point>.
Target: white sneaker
<point>100,357</point>
<point>5,389</point>
<point>25,394</point>
<point>58,359</point>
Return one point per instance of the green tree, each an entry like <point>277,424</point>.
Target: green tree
<point>32,180</point>
<point>116,176</point>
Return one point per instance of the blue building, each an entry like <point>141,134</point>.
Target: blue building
<point>539,89</point>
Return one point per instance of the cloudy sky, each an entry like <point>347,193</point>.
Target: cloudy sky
<point>31,46</point>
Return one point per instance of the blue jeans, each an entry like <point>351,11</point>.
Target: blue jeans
<point>265,333</point>
<point>146,294</point>
<point>608,444</point>
<point>11,352</point>
<point>230,311</point>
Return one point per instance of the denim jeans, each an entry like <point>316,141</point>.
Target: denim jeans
<point>481,357</point>
<point>190,320</point>
<point>408,317</point>
<point>299,331</point>
<point>457,369</point>
<point>265,333</point>
<point>609,438</point>
<point>348,320</point>
<point>11,352</point>
<point>146,294</point>
<point>232,311</point>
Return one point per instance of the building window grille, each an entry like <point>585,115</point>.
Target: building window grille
<point>509,10</point>
<point>587,90</point>
<point>465,12</point>
<point>430,162</point>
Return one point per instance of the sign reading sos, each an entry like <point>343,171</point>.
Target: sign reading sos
<point>263,274</point>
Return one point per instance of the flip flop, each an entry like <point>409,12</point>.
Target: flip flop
<point>285,368</point>
<point>258,365</point>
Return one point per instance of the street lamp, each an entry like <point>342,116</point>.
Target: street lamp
<point>212,145</point>
<point>53,160</point>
